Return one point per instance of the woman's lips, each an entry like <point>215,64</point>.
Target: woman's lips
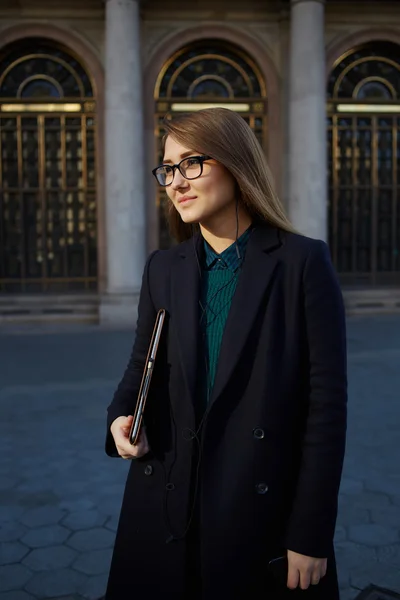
<point>186,199</point>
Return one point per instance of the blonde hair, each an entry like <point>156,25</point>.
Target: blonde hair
<point>225,136</point>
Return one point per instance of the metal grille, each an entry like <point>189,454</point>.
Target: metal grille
<point>364,156</point>
<point>202,75</point>
<point>48,216</point>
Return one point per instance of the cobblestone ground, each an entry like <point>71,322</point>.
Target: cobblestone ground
<point>60,495</point>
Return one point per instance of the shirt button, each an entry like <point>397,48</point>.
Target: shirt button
<point>261,488</point>
<point>148,470</point>
<point>258,433</point>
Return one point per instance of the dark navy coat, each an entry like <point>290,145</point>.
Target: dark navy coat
<point>273,438</point>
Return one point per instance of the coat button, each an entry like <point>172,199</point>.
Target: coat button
<point>170,487</point>
<point>188,434</point>
<point>148,470</point>
<point>258,433</point>
<point>261,488</point>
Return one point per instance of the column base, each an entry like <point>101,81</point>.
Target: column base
<point>119,309</point>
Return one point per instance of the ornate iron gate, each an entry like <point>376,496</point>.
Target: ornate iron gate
<point>48,222</point>
<point>364,160</point>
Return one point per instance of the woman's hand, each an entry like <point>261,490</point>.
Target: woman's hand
<point>120,431</point>
<point>304,570</point>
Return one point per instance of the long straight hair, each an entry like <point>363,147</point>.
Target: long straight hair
<point>225,136</point>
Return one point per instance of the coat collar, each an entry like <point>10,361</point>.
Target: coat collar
<point>255,276</point>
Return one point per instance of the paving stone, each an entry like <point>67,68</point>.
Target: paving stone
<point>46,536</point>
<point>77,504</point>
<point>382,483</point>
<point>34,487</point>
<point>110,505</point>
<point>349,594</point>
<point>349,515</point>
<point>41,516</point>
<point>66,463</point>
<point>373,535</point>
<point>36,499</point>
<point>112,523</point>
<point>13,577</point>
<point>68,486</point>
<point>376,573</point>
<point>12,552</point>
<point>6,483</point>
<point>11,531</point>
<point>350,555</point>
<point>94,562</point>
<point>115,477</point>
<point>17,595</point>
<point>390,554</point>
<point>351,486</point>
<point>10,512</point>
<point>340,534</point>
<point>369,500</point>
<point>93,539</point>
<point>50,558</point>
<point>389,516</point>
<point>59,582</point>
<point>84,519</point>
<point>94,587</point>
<point>112,489</point>
<point>69,597</point>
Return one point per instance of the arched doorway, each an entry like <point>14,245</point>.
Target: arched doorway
<point>48,207</point>
<point>364,161</point>
<point>208,73</point>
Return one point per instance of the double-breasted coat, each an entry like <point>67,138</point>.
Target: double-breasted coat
<point>273,438</point>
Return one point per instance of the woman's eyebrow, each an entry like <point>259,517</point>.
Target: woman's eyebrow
<point>184,155</point>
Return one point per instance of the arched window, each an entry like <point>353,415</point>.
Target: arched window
<point>48,230</point>
<point>364,154</point>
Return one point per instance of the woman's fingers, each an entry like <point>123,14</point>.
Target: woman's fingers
<point>120,430</point>
<point>127,450</point>
<point>126,426</point>
<point>142,446</point>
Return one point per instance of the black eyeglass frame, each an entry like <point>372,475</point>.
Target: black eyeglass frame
<point>201,160</point>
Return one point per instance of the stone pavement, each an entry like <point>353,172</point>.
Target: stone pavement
<point>60,495</point>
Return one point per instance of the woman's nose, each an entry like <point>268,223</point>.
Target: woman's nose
<point>179,181</point>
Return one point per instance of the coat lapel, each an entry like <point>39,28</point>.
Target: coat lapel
<point>257,270</point>
<point>185,286</point>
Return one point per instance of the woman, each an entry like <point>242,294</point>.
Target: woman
<point>241,458</point>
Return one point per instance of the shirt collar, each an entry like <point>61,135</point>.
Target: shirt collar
<point>228,259</point>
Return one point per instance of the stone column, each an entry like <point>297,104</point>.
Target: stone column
<point>307,118</point>
<point>124,164</point>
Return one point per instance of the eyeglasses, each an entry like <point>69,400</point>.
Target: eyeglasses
<point>189,168</point>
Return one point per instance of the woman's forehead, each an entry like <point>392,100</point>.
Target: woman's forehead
<point>174,151</point>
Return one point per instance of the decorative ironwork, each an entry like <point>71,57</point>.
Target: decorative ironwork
<point>208,73</point>
<point>371,62</point>
<point>364,154</point>
<point>46,63</point>
<point>48,208</point>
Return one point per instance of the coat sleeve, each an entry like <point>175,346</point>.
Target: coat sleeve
<point>311,526</point>
<point>124,399</point>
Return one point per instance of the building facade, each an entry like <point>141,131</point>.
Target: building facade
<point>83,91</point>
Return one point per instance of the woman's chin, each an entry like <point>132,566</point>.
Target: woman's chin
<point>189,218</point>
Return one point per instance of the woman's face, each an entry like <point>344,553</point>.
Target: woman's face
<point>211,196</point>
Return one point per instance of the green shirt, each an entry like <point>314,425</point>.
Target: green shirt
<point>218,284</point>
